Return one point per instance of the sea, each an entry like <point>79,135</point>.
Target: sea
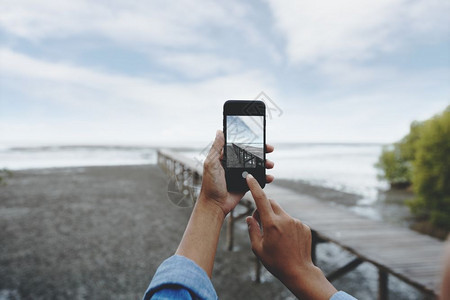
<point>341,166</point>
<point>344,167</point>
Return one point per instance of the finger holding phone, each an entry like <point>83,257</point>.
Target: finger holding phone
<point>283,244</point>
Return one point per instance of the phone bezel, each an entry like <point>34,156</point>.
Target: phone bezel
<point>235,181</point>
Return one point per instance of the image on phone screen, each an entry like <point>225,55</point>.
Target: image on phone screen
<point>245,141</point>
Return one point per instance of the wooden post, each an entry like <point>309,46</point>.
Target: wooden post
<point>183,177</point>
<point>196,179</point>
<point>257,270</point>
<point>383,290</point>
<point>313,246</point>
<point>345,269</point>
<point>230,231</point>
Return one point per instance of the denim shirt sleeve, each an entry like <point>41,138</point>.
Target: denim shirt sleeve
<point>180,278</point>
<point>342,296</point>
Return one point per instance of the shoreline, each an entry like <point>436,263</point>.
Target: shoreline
<point>319,192</point>
<point>389,206</point>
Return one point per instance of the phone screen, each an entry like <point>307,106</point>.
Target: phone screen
<point>244,150</point>
<point>245,141</point>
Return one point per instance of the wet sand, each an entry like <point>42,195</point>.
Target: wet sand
<point>389,205</point>
<point>101,232</point>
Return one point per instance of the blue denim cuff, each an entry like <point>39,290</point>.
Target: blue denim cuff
<point>177,273</point>
<point>342,296</point>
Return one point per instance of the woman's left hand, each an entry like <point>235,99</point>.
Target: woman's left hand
<point>214,187</point>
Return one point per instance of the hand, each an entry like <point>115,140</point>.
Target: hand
<point>214,186</point>
<point>284,247</point>
<point>199,242</point>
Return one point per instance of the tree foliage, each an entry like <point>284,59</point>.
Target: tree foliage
<point>431,172</point>
<point>396,161</point>
<point>422,158</point>
<point>395,168</point>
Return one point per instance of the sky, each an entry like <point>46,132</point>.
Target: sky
<point>157,72</point>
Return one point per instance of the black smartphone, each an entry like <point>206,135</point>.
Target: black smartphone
<point>244,127</point>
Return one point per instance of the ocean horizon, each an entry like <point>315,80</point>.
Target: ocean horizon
<point>347,167</point>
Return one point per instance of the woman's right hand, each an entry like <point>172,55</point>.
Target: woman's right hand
<point>283,244</point>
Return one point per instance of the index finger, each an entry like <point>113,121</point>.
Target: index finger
<point>262,203</point>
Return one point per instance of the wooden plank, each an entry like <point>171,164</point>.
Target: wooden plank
<point>411,254</point>
<point>419,263</point>
<point>390,245</point>
<point>389,260</point>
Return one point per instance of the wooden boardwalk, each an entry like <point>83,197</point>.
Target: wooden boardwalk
<point>412,257</point>
<point>256,151</point>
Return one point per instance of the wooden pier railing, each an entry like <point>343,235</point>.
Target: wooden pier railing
<point>188,173</point>
<point>249,155</point>
<point>412,257</point>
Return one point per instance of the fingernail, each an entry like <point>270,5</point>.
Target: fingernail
<point>249,175</point>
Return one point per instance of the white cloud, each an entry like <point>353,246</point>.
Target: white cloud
<point>136,107</point>
<point>354,30</point>
<point>378,76</point>
<point>198,65</point>
<point>111,107</point>
<point>383,116</point>
<point>185,37</point>
<point>138,22</point>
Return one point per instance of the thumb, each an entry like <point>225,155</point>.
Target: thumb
<point>255,234</point>
<point>217,145</point>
